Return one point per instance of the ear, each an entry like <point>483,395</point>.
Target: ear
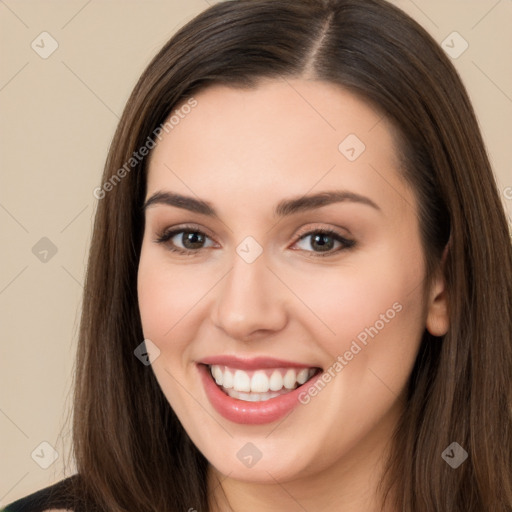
<point>438,321</point>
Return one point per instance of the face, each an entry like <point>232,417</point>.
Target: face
<point>294,253</point>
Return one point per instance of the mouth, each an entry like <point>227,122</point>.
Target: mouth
<point>259,385</point>
<point>257,390</point>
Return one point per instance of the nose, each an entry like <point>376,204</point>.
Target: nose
<point>250,301</point>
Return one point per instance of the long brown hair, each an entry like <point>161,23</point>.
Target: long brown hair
<point>132,453</point>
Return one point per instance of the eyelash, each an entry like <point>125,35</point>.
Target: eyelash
<point>166,235</point>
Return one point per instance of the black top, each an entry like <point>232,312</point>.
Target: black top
<point>59,496</point>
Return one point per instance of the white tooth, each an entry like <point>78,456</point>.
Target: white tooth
<point>276,381</point>
<point>217,374</point>
<point>228,379</point>
<point>234,394</point>
<point>259,382</point>
<point>290,379</point>
<point>241,381</point>
<point>252,397</point>
<point>303,376</point>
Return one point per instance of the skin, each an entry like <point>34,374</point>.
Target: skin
<point>243,151</point>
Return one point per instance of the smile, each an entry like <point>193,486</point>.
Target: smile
<point>256,391</point>
<point>259,385</point>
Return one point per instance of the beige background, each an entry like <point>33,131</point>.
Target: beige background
<point>57,119</point>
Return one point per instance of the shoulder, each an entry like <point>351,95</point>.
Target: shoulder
<point>58,497</point>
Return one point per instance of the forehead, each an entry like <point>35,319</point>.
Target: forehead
<point>290,136</point>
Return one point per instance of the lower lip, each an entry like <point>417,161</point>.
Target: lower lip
<point>248,413</point>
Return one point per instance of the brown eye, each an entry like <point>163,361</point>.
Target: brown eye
<point>192,239</point>
<point>323,241</point>
<point>185,240</point>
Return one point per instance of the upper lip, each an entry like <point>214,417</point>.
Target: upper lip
<point>252,363</point>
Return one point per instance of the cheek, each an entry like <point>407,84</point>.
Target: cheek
<point>168,300</point>
<point>166,296</point>
<point>377,318</point>
<point>377,304</point>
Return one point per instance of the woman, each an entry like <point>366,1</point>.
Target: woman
<point>300,281</point>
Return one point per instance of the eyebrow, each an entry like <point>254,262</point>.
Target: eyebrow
<point>284,208</point>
